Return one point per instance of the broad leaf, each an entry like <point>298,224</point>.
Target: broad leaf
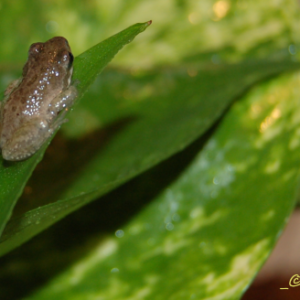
<point>206,235</point>
<point>160,126</point>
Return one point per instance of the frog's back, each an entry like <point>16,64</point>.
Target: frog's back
<point>30,98</point>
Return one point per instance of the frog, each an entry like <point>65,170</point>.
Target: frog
<point>34,106</point>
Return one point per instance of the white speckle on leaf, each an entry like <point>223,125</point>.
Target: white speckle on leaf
<point>294,143</point>
<point>135,229</point>
<point>197,212</point>
<point>268,215</point>
<point>295,140</point>
<point>199,219</point>
<point>173,244</point>
<point>102,252</point>
<point>272,166</point>
<point>243,267</point>
<point>209,278</point>
<point>289,174</point>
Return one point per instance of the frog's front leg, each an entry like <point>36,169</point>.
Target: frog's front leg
<point>60,105</point>
<point>63,101</point>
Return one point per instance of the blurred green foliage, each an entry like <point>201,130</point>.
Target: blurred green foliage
<point>232,30</point>
<point>193,225</point>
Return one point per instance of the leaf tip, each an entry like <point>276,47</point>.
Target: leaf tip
<point>143,26</point>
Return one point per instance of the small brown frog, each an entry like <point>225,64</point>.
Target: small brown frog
<point>29,113</point>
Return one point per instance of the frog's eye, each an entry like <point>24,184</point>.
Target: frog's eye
<point>66,58</point>
<point>71,58</point>
<point>35,48</point>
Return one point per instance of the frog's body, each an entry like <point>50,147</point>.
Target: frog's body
<point>29,112</point>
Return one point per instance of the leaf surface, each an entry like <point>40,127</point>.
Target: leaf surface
<point>206,235</point>
<point>154,129</point>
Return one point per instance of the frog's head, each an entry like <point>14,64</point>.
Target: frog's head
<point>53,54</point>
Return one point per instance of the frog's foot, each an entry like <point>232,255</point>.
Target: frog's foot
<point>63,101</point>
<point>25,141</point>
<point>60,119</point>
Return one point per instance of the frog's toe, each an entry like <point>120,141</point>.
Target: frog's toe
<point>21,146</point>
<point>16,153</point>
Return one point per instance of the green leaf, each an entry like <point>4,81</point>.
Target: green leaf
<point>90,63</point>
<point>206,235</point>
<point>161,125</point>
<point>13,179</point>
<point>87,66</point>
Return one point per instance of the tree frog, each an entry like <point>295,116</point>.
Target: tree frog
<point>34,105</point>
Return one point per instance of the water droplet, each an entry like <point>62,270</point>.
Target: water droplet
<point>169,226</point>
<point>119,233</point>
<point>52,26</point>
<point>176,218</point>
<point>114,270</point>
<point>215,59</point>
<point>292,49</point>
